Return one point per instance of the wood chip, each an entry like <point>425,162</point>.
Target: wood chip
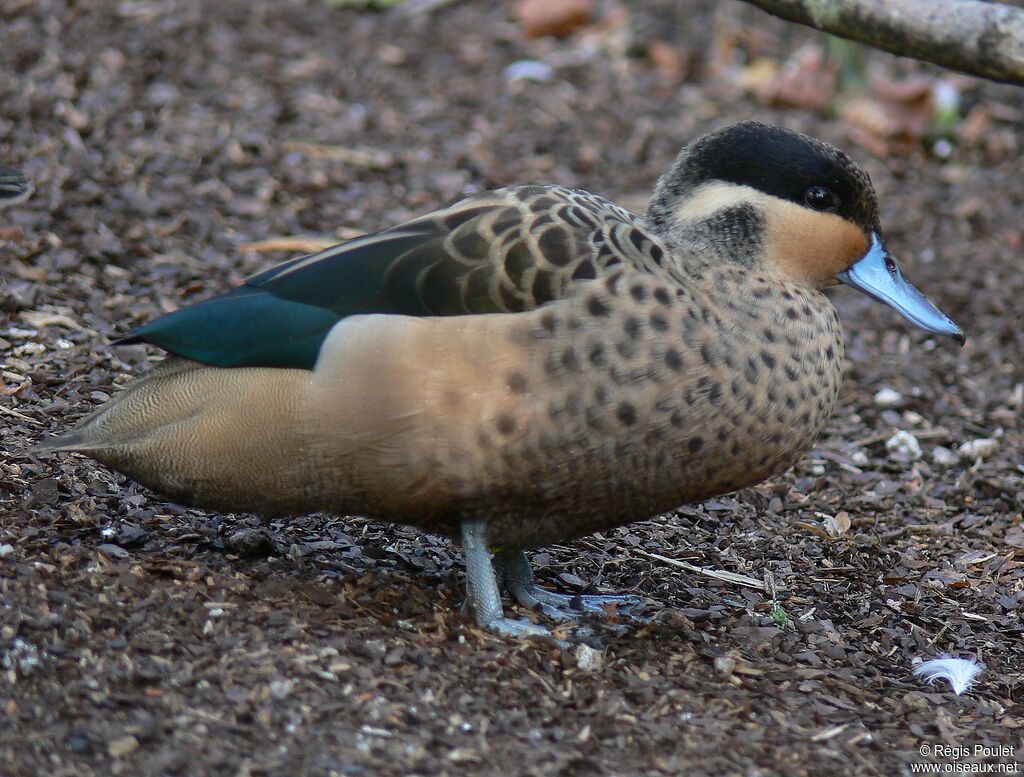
<point>361,156</point>
<point>293,243</point>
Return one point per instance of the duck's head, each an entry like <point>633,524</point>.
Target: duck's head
<point>787,205</point>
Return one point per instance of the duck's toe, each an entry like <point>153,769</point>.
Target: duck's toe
<point>521,629</point>
<point>569,607</point>
<point>517,577</point>
<point>483,597</point>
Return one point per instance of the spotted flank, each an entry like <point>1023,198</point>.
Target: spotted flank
<point>14,187</point>
<point>526,366</point>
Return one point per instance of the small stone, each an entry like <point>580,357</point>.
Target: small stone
<point>6,550</point>
<point>863,540</point>
<point>892,418</point>
<point>143,727</point>
<point>249,543</point>
<point>122,746</point>
<point>279,689</point>
<point>914,700</point>
<point>725,666</point>
<point>980,449</point>
<point>912,418</point>
<point>79,745</point>
<point>113,551</point>
<point>529,70</point>
<point>888,397</point>
<point>904,446</point>
<point>944,457</point>
<point>372,648</point>
<point>943,149</point>
<point>588,659</point>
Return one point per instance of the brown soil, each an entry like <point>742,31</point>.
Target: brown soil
<point>138,637</point>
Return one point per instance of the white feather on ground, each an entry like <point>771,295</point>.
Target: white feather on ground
<point>960,672</point>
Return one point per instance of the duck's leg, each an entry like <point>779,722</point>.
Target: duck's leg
<point>483,597</point>
<point>517,576</point>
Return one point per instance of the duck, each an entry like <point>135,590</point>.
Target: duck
<point>15,188</point>
<point>526,366</point>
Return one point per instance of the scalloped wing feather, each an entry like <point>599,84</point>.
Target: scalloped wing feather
<point>510,250</point>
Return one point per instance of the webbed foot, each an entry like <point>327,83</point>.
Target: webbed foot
<point>516,575</point>
<point>483,598</point>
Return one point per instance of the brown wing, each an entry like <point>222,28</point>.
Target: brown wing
<point>509,250</point>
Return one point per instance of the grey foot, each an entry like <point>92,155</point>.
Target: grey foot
<point>521,629</point>
<point>517,576</point>
<point>567,607</point>
<point>483,599</point>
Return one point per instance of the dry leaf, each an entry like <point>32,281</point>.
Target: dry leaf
<point>838,525</point>
<point>37,319</point>
<point>558,18</point>
<point>667,59</point>
<point>760,75</point>
<point>807,80</point>
<point>891,118</point>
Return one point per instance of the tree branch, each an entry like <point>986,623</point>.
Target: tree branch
<point>980,38</point>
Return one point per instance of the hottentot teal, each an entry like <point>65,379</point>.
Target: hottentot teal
<point>526,366</point>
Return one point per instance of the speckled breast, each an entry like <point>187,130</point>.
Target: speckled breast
<point>640,396</point>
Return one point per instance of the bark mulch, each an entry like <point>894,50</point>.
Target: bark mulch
<point>170,140</point>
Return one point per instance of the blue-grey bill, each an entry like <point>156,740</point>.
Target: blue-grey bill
<point>877,275</point>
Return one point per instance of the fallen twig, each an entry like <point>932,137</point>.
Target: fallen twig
<point>369,158</point>
<point>20,416</point>
<point>290,243</point>
<point>927,434</point>
<point>725,577</point>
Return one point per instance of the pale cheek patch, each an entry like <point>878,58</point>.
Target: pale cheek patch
<point>710,198</point>
<point>812,247</point>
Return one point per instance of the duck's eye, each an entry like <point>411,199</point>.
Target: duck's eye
<point>821,198</point>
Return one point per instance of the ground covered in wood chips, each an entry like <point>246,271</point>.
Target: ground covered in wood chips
<point>176,144</point>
